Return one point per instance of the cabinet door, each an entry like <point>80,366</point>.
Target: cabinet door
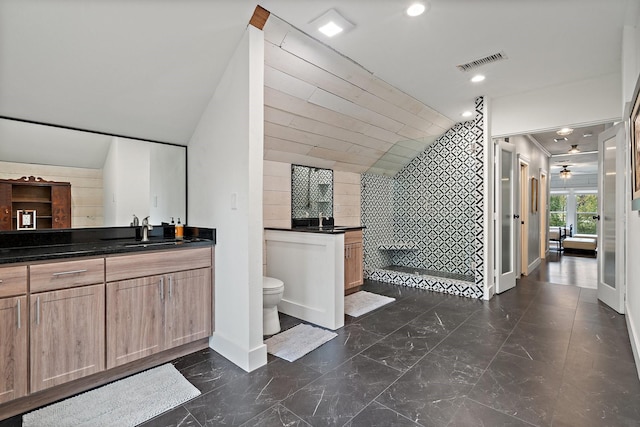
<point>13,348</point>
<point>134,319</point>
<point>67,335</point>
<point>353,274</point>
<point>5,206</point>
<point>61,206</point>
<point>188,307</point>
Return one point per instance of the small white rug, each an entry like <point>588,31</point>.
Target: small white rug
<point>298,341</point>
<point>362,302</point>
<point>127,402</point>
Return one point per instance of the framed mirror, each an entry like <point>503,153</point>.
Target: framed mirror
<point>311,192</point>
<point>112,178</point>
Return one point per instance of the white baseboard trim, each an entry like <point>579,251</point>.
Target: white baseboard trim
<point>535,264</point>
<point>247,359</point>
<point>633,336</point>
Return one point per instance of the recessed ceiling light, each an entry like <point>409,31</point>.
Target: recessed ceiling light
<point>330,29</point>
<point>416,9</point>
<point>467,114</point>
<point>565,131</point>
<point>573,149</point>
<point>559,139</point>
<point>587,134</point>
<point>477,78</point>
<point>331,23</point>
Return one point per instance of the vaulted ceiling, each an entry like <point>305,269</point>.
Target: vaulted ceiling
<point>147,68</point>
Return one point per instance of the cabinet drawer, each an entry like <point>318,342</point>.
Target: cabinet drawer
<point>13,281</point>
<point>152,263</point>
<point>354,236</point>
<point>66,274</point>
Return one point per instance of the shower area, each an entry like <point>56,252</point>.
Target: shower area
<point>424,226</point>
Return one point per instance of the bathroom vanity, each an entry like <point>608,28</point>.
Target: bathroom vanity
<point>95,305</point>
<point>318,266</point>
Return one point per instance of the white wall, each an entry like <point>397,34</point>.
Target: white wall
<point>631,72</point>
<point>589,101</point>
<point>126,176</point>
<point>537,160</point>
<point>225,158</point>
<point>168,175</point>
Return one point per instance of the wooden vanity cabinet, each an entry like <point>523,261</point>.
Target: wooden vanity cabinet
<point>67,335</point>
<point>163,309</point>
<point>13,333</point>
<point>353,260</point>
<point>67,312</point>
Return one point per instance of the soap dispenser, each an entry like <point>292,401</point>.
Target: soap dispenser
<point>179,230</point>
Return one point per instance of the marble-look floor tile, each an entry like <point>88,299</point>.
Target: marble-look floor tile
<point>340,394</point>
<point>520,387</point>
<point>549,316</point>
<point>602,340</point>
<point>242,399</point>
<point>376,415</point>
<point>386,321</point>
<point>431,391</point>
<point>580,404</point>
<point>276,416</point>
<point>473,414</point>
<point>539,343</point>
<point>351,340</point>
<point>212,373</point>
<point>472,344</point>
<point>404,347</point>
<point>497,318</point>
<point>178,417</point>
<point>12,422</point>
<point>600,314</point>
<point>188,360</point>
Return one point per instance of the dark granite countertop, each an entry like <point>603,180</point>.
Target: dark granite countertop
<point>38,245</point>
<point>327,229</point>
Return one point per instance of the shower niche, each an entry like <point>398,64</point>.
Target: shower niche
<point>311,196</point>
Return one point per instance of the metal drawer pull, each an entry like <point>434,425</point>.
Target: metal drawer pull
<point>37,310</point>
<point>170,286</point>
<point>19,315</point>
<point>162,289</point>
<point>62,273</point>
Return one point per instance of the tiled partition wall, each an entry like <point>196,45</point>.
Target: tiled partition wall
<point>435,209</point>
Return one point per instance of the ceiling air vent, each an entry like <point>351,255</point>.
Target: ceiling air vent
<point>482,61</point>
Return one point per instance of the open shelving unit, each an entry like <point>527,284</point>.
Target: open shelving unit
<point>51,200</point>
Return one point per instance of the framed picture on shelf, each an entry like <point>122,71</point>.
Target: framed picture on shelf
<point>26,219</point>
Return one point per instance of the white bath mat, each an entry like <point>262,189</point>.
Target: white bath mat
<point>362,302</point>
<point>298,341</point>
<point>127,402</point>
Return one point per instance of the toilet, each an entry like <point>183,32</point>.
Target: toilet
<point>272,290</point>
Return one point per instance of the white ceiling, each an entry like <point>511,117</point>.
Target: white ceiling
<point>147,68</point>
<point>586,138</point>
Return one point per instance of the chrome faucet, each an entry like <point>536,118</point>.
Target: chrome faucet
<point>145,229</point>
<point>320,218</point>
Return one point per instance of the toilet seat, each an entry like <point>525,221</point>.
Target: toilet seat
<point>271,285</point>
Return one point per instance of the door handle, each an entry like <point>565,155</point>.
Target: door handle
<point>162,289</point>
<point>596,217</point>
<point>37,310</point>
<point>516,216</point>
<point>19,315</point>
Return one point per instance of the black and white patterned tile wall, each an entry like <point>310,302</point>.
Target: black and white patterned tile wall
<point>436,208</point>
<point>311,192</point>
<point>376,200</point>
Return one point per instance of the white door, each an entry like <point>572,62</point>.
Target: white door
<point>611,225</point>
<point>505,217</point>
